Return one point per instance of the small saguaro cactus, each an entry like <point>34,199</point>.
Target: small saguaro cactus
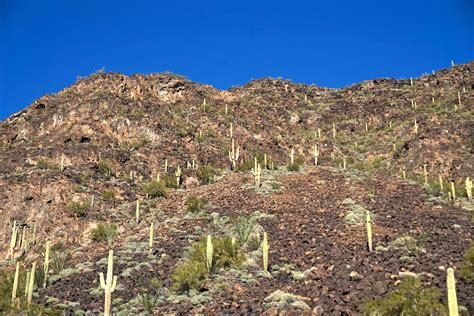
<point>415,128</point>
<point>316,154</point>
<point>468,188</point>
<point>62,163</point>
<point>226,110</point>
<point>411,81</point>
<point>441,185</point>
<point>265,249</point>
<point>453,191</point>
<point>131,175</point>
<point>369,231</point>
<point>344,163</point>
<point>231,130</point>
<point>257,172</point>
<point>319,133</point>
<point>27,283</point>
<point>13,241</point>
<point>333,130</point>
<point>234,155</point>
<point>31,283</point>
<point>152,237</point>
<point>452,299</point>
<point>292,156</point>
<point>178,174</point>
<point>425,174</point>
<point>209,253</point>
<point>15,284</point>
<point>109,284</point>
<point>166,165</point>
<point>265,161</point>
<point>137,212</point>
<point>46,263</point>
<point>404,174</point>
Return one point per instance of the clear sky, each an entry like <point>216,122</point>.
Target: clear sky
<point>46,44</point>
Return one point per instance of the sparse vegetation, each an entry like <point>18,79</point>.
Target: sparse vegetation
<point>154,189</point>
<point>79,209</point>
<point>104,232</point>
<point>467,267</point>
<point>206,174</point>
<point>195,204</point>
<point>409,298</point>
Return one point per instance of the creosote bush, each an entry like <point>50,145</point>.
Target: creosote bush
<point>104,232</point>
<point>409,299</point>
<point>195,204</point>
<point>79,209</point>
<point>169,181</point>
<point>467,266</point>
<point>154,189</point>
<point>206,174</point>
<point>46,164</point>
<point>106,168</point>
<point>191,274</point>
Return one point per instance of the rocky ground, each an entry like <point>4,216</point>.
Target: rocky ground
<point>84,156</point>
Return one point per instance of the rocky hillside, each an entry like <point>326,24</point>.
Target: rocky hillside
<point>81,159</point>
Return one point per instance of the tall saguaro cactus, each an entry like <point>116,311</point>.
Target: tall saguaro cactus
<point>31,283</point>
<point>15,284</point>
<point>265,249</point>
<point>152,237</point>
<point>369,231</point>
<point>234,155</point>
<point>13,241</point>
<point>137,212</point>
<point>209,252</point>
<point>469,188</point>
<point>46,263</point>
<point>452,299</point>
<point>316,154</point>
<point>109,284</point>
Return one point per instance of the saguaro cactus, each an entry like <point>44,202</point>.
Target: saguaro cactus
<point>13,241</point>
<point>166,165</point>
<point>152,237</point>
<point>31,283</point>
<point>441,185</point>
<point>46,263</point>
<point>453,191</point>
<point>452,299</point>
<point>234,155</point>
<point>109,284</point>
<point>469,188</point>
<point>415,128</point>
<point>292,156</point>
<point>265,249</point>
<point>257,172</point>
<point>425,175</point>
<point>178,174</point>
<point>209,252</point>
<point>334,130</point>
<point>316,154</point>
<point>62,163</point>
<point>15,284</point>
<point>137,212</point>
<point>369,231</point>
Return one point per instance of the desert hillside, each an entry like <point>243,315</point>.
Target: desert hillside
<point>149,166</point>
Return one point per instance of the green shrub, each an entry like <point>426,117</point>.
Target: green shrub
<point>104,232</point>
<point>46,164</point>
<point>169,181</point>
<point>109,196</point>
<point>79,209</point>
<point>295,166</point>
<point>467,266</point>
<point>106,168</point>
<point>409,299</point>
<point>59,257</point>
<point>244,226</point>
<point>206,174</point>
<point>154,189</point>
<point>195,204</point>
<point>191,274</point>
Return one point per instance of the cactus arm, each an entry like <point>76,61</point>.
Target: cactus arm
<point>114,284</point>
<point>15,283</point>
<point>32,283</point>
<point>102,281</point>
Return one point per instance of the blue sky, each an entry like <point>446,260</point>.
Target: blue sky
<point>46,44</point>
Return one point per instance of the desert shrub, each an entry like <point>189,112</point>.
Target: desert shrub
<point>59,257</point>
<point>79,209</point>
<point>409,299</point>
<point>243,227</point>
<point>46,164</point>
<point>295,166</point>
<point>195,204</point>
<point>106,168</point>
<point>192,273</point>
<point>206,174</point>
<point>104,232</point>
<point>467,266</point>
<point>109,196</point>
<point>154,189</point>
<point>169,181</point>
<point>150,297</point>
